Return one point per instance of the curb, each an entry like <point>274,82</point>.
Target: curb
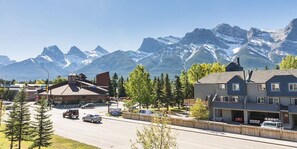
<point>206,133</point>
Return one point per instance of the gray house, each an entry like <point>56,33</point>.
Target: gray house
<point>251,96</point>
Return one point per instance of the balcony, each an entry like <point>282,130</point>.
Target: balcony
<point>227,105</point>
<point>263,107</point>
<point>292,108</point>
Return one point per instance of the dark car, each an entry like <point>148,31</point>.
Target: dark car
<point>71,113</point>
<point>94,118</point>
<point>88,106</point>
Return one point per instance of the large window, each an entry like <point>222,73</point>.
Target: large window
<point>260,99</point>
<point>222,86</point>
<point>235,86</point>
<point>261,87</point>
<point>234,99</point>
<point>274,86</point>
<point>292,86</point>
<point>273,100</point>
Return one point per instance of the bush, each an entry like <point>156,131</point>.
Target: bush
<point>199,110</point>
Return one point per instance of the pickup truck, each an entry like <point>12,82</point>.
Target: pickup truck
<point>71,113</point>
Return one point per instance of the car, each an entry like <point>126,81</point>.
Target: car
<point>145,112</point>
<point>115,111</point>
<point>71,113</point>
<point>272,125</point>
<point>88,106</point>
<point>94,118</point>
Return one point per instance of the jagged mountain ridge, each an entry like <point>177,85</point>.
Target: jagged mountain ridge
<point>257,48</point>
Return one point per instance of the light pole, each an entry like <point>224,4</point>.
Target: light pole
<point>46,88</point>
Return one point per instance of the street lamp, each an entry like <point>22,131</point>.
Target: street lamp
<point>46,88</point>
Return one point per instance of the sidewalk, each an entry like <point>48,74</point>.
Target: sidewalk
<point>216,133</point>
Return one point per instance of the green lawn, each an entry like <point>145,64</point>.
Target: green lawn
<point>58,143</point>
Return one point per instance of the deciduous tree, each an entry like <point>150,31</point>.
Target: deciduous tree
<point>139,87</point>
<point>158,135</point>
<point>199,110</point>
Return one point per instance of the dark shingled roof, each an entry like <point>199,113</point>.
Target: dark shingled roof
<point>258,76</point>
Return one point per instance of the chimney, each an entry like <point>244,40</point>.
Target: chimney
<point>250,73</point>
<point>244,75</point>
<point>238,63</point>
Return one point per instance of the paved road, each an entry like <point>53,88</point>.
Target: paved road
<point>117,134</point>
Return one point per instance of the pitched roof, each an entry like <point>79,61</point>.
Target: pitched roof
<point>80,88</point>
<point>258,76</point>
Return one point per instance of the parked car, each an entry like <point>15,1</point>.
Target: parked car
<point>94,118</point>
<point>272,124</point>
<point>71,113</point>
<point>88,106</point>
<point>145,112</point>
<point>115,111</point>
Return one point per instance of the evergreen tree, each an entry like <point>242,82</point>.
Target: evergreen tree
<point>10,127</point>
<point>139,87</point>
<point>158,93</point>
<point>22,120</point>
<point>110,89</point>
<point>114,84</point>
<point>188,88</point>
<point>121,89</point>
<point>178,94</point>
<point>43,128</point>
<point>167,92</point>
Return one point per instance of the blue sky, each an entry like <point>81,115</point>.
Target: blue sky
<point>28,26</point>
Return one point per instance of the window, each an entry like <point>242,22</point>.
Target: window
<point>218,112</point>
<point>222,86</point>
<point>234,99</point>
<point>274,86</point>
<point>235,87</point>
<point>261,87</point>
<point>273,100</point>
<point>292,86</point>
<point>260,99</point>
<point>224,98</point>
<point>294,101</point>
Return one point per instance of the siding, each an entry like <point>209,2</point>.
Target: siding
<point>284,87</point>
<point>253,92</point>
<point>242,86</point>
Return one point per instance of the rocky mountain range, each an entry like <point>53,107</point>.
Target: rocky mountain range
<point>257,48</point>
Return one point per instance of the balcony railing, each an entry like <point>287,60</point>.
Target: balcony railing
<point>263,107</point>
<point>292,108</point>
<point>228,105</point>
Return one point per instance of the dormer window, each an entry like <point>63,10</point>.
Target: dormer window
<point>275,87</point>
<point>235,86</point>
<point>292,86</point>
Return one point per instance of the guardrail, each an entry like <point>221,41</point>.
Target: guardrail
<point>223,127</point>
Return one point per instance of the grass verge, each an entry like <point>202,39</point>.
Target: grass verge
<point>58,143</point>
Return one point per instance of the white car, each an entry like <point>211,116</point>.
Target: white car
<point>272,125</point>
<point>145,112</point>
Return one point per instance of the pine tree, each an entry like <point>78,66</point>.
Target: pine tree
<point>188,88</point>
<point>158,93</point>
<point>167,92</point>
<point>114,84</point>
<point>178,94</point>
<point>121,89</point>
<point>110,89</point>
<point>22,120</point>
<point>10,127</point>
<point>43,128</point>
